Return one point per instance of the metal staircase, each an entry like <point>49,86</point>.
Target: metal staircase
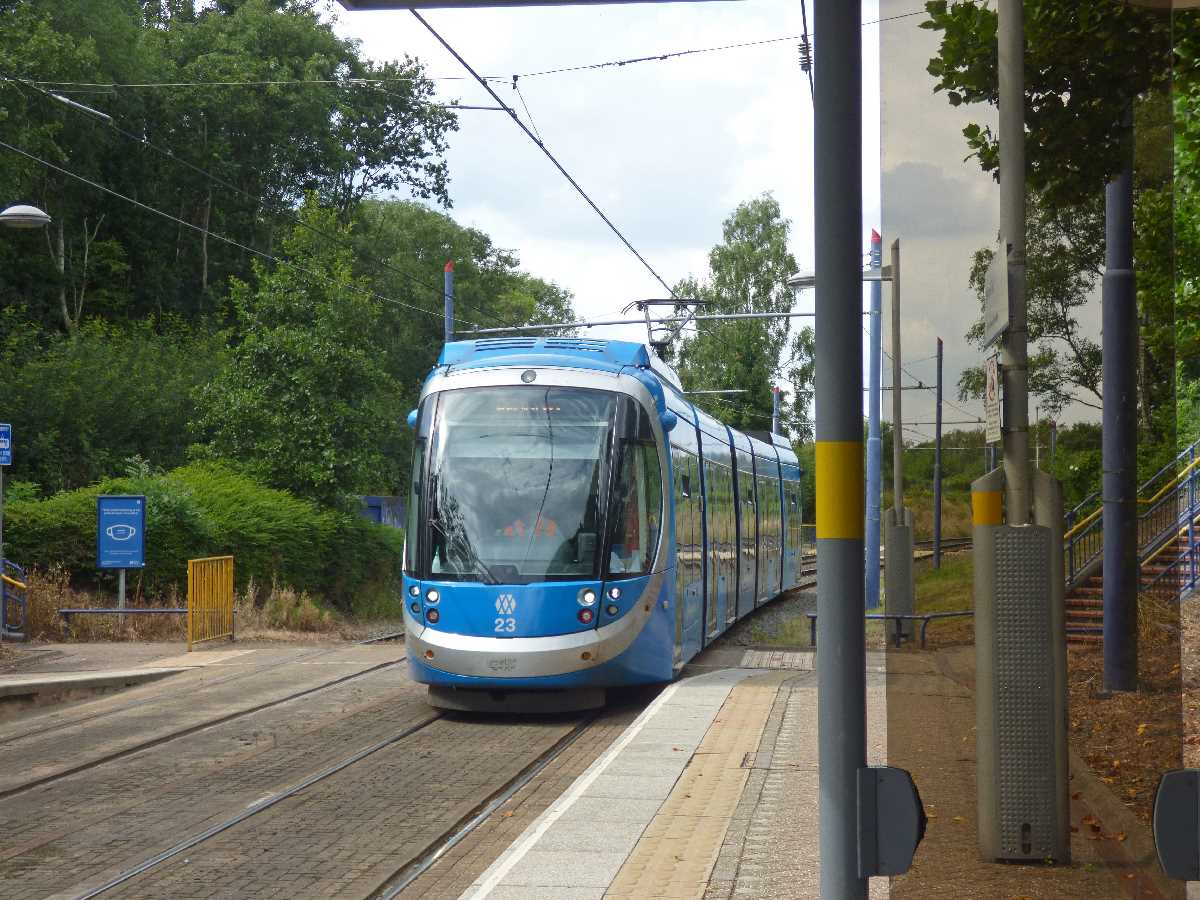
<point>1168,534</point>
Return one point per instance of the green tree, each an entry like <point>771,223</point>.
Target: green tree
<point>748,273</point>
<point>257,102</point>
<point>1086,63</point>
<point>1064,264</point>
<point>303,403</point>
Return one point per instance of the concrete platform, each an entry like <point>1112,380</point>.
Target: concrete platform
<point>710,793</point>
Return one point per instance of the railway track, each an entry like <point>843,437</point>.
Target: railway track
<point>257,807</point>
<point>175,735</point>
<point>433,851</point>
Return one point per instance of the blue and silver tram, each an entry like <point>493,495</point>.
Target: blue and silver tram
<point>576,524</point>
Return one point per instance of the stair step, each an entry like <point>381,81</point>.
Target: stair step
<point>1084,616</point>
<point>1083,603</point>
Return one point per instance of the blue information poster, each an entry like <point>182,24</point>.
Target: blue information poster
<point>5,444</point>
<point>120,532</point>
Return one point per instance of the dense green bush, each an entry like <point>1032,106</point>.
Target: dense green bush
<point>204,510</point>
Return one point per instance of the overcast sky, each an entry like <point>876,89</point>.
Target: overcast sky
<point>669,148</point>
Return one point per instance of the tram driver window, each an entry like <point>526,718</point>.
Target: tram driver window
<point>636,510</point>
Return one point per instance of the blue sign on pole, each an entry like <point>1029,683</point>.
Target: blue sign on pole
<point>5,444</point>
<point>120,532</point>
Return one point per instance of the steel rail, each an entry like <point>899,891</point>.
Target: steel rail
<point>414,870</point>
<point>191,729</point>
<point>257,807</point>
<point>108,712</point>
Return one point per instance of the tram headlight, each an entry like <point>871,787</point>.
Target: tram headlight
<point>613,609</point>
<point>614,593</point>
<point>587,597</point>
<point>432,596</point>
<point>416,608</point>
<point>431,616</point>
<point>414,590</point>
<point>586,616</point>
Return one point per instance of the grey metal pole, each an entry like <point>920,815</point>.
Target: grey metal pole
<point>1013,349</point>
<point>775,411</point>
<point>874,443</point>
<point>1119,449</point>
<point>897,416</point>
<point>1054,442</point>
<point>120,596</point>
<point>841,660</point>
<point>937,467</point>
<point>448,281</point>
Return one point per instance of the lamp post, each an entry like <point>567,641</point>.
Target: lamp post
<point>18,216</point>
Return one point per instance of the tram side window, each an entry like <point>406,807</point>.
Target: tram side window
<point>636,512</point>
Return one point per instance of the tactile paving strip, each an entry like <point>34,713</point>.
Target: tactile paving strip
<point>679,848</point>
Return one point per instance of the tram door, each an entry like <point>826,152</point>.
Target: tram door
<point>747,533</point>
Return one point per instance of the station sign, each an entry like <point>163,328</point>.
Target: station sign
<point>997,313</point>
<point>5,444</point>
<point>991,398</point>
<point>120,531</point>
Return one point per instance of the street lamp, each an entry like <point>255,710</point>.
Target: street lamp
<point>19,216</point>
<point>24,216</point>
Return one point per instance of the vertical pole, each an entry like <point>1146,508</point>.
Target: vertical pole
<point>937,466</point>
<point>1,520</point>
<point>775,411</point>
<point>1119,449</point>
<point>1053,441</point>
<point>448,281</point>
<point>1013,349</point>
<point>841,664</point>
<point>120,596</point>
<point>874,443</point>
<point>897,416</point>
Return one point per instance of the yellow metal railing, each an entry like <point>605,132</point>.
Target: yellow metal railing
<point>210,599</point>
<point>20,585</point>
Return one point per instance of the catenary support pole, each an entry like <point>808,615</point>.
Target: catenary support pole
<point>841,662</point>
<point>1119,448</point>
<point>775,411</point>
<point>448,276</point>
<point>937,467</point>
<point>1013,349</point>
<point>874,442</point>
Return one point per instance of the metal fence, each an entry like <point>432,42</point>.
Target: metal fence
<point>210,599</point>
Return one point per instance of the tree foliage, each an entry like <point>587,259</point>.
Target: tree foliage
<point>303,404</point>
<point>1064,265</point>
<point>1086,61</point>
<point>249,104</point>
<point>748,273</point>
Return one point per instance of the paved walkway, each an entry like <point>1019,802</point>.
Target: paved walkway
<point>710,793</point>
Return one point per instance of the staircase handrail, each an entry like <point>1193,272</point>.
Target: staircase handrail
<point>1192,452</point>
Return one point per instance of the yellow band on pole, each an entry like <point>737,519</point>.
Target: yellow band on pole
<point>839,490</point>
<point>987,507</point>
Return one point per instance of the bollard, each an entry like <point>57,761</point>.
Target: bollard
<point>1020,678</point>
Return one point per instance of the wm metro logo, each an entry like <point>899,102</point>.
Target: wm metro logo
<point>506,604</point>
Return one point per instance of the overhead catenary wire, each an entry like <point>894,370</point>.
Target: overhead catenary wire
<point>216,234</point>
<point>675,54</point>
<point>216,179</point>
<point>567,175</point>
